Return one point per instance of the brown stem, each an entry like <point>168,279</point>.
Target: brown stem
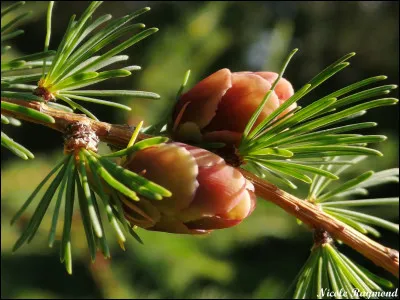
<point>113,134</point>
<point>315,218</point>
<point>308,213</point>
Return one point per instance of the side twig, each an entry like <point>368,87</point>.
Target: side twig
<point>315,218</point>
<point>114,134</point>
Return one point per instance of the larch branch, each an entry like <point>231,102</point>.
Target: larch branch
<point>308,213</point>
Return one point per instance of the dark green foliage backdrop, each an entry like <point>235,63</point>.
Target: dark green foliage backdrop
<point>260,257</point>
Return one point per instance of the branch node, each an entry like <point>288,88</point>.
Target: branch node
<point>321,237</point>
<point>44,93</point>
<point>80,135</point>
<point>231,155</point>
<point>393,254</point>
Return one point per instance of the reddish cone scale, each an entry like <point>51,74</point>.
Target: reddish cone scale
<point>218,108</point>
<point>207,193</point>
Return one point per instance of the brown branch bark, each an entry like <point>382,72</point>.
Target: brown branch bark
<point>315,218</point>
<point>308,213</point>
<point>113,134</point>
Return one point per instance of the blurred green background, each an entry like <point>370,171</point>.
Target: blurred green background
<point>260,257</point>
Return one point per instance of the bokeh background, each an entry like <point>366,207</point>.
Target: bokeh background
<point>257,259</point>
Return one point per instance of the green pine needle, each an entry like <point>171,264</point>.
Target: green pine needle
<point>345,186</point>
<point>259,109</point>
<point>92,176</point>
<point>328,273</point>
<point>77,60</point>
<point>22,79</point>
<point>111,180</point>
<point>29,112</point>
<point>114,93</point>
<point>14,122</point>
<point>95,100</point>
<point>75,64</point>
<point>48,32</point>
<point>363,202</point>
<point>9,36</point>
<point>365,218</point>
<point>138,146</point>
<point>337,201</point>
<point>88,196</point>
<point>5,120</point>
<point>310,134</point>
<point>136,182</point>
<point>61,191</point>
<point>75,105</point>
<point>12,7</point>
<point>98,187</point>
<point>20,96</point>
<point>184,83</point>
<point>15,147</point>
<point>65,249</point>
<point>166,121</point>
<point>40,211</point>
<point>86,220</point>
<point>36,191</point>
<point>14,21</point>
